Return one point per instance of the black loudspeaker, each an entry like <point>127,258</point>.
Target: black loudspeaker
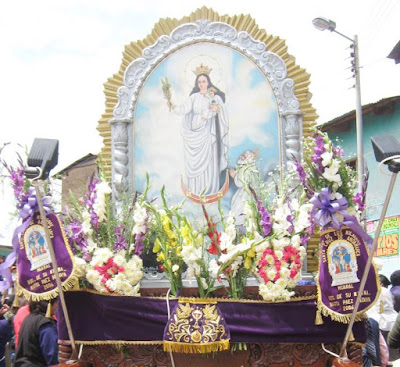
<point>43,155</point>
<point>386,147</point>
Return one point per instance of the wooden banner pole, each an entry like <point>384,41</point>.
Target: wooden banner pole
<point>38,187</point>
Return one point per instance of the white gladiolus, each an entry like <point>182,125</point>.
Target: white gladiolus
<point>80,266</point>
<point>175,268</point>
<point>213,268</point>
<point>332,175</point>
<point>326,158</point>
<point>86,223</point>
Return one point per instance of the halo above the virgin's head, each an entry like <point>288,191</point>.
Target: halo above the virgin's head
<point>203,63</point>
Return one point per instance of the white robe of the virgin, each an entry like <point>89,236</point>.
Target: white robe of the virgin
<point>205,155</point>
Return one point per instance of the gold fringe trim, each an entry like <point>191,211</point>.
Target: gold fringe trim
<point>67,284</point>
<point>335,316</point>
<point>211,301</point>
<point>112,342</point>
<point>200,300</point>
<point>351,337</point>
<point>178,347</point>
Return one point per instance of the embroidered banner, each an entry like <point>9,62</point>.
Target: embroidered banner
<point>142,320</point>
<point>343,256</point>
<point>196,326</point>
<point>36,278</point>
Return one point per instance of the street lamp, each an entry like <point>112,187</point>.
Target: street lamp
<point>321,24</point>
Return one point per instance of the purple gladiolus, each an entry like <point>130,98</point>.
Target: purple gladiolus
<point>304,238</point>
<point>337,151</point>
<point>87,257</point>
<point>120,243</point>
<point>359,200</point>
<point>139,245</point>
<point>265,221</point>
<point>318,150</point>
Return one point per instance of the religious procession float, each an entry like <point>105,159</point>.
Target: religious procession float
<point>191,244</point>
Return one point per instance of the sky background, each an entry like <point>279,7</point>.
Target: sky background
<point>56,55</point>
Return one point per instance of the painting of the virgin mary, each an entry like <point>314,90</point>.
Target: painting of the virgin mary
<point>218,106</point>
<point>204,130</point>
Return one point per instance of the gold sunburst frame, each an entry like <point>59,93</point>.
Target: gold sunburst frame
<point>241,22</point>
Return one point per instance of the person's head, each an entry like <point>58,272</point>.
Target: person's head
<point>395,278</point>
<point>203,82</point>
<point>212,91</point>
<point>40,307</point>
<point>385,282</point>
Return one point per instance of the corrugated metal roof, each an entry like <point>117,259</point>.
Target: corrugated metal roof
<point>349,116</point>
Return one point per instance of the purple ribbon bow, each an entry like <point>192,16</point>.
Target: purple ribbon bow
<point>327,210</point>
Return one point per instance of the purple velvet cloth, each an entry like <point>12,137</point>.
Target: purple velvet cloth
<point>96,317</point>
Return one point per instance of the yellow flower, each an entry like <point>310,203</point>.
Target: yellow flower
<point>251,252</point>
<point>185,233</point>
<point>160,257</point>
<point>166,222</point>
<point>171,235</point>
<point>199,240</point>
<point>157,246</point>
<point>247,262</point>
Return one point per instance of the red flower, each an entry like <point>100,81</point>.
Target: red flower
<point>213,234</point>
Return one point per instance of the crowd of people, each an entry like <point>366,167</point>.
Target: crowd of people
<point>30,330</point>
<point>383,323</point>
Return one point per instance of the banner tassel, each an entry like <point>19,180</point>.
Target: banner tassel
<point>48,312</point>
<point>318,317</point>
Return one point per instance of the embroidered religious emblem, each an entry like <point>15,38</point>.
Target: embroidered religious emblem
<point>37,250</point>
<point>196,326</point>
<point>342,263</point>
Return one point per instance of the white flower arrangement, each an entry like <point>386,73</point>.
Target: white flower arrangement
<point>112,273</point>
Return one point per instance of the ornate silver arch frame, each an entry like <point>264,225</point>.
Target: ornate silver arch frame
<point>136,73</point>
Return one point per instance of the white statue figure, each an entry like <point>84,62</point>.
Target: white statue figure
<point>205,134</point>
<point>245,173</point>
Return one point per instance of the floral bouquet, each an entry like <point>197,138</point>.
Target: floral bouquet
<point>234,255</point>
<point>24,192</point>
<point>281,227</point>
<point>329,183</point>
<point>180,249</point>
<point>168,243</point>
<point>107,242</point>
<point>272,245</point>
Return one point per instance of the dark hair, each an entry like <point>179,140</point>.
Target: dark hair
<point>384,280</point>
<point>395,278</point>
<point>40,307</point>
<point>196,88</point>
